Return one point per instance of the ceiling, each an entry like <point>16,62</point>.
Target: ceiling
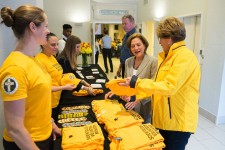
<point>116,1</point>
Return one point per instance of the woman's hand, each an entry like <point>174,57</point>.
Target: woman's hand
<point>85,83</point>
<point>69,87</point>
<point>131,105</point>
<point>127,83</point>
<point>90,91</point>
<point>109,95</point>
<point>125,98</point>
<point>56,131</point>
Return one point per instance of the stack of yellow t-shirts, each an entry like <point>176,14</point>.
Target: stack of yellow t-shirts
<point>137,137</point>
<point>122,119</point>
<point>114,86</point>
<point>105,109</point>
<point>82,138</point>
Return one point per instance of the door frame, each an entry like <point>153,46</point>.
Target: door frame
<point>200,48</point>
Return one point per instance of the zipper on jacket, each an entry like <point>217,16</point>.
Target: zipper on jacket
<point>153,94</point>
<point>169,107</point>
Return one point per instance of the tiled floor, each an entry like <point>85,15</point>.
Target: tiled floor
<point>208,136</point>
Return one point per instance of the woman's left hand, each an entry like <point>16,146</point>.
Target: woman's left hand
<point>85,83</point>
<point>126,83</point>
<point>131,105</point>
<point>69,87</point>
<point>56,131</point>
<point>125,98</point>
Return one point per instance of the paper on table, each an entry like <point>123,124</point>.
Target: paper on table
<point>100,81</point>
<point>96,85</point>
<point>90,77</point>
<point>79,68</point>
<point>95,72</point>
<point>80,74</point>
<point>94,69</point>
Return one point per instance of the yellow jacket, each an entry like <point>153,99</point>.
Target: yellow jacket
<point>175,90</point>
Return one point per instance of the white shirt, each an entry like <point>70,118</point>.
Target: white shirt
<point>62,43</point>
<point>97,47</point>
<point>106,41</point>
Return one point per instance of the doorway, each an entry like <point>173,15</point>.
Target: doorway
<point>115,31</point>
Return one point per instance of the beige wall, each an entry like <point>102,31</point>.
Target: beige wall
<point>148,32</point>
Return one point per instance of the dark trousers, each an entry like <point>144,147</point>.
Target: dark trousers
<point>123,70</point>
<point>107,53</point>
<point>42,145</point>
<point>96,57</point>
<point>55,113</point>
<point>175,140</point>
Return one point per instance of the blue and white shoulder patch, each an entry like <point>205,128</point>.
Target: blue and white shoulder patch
<point>9,85</point>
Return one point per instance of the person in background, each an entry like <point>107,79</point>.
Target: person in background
<point>54,69</point>
<point>143,66</point>
<point>106,51</point>
<point>175,89</point>
<point>128,24</point>
<point>67,31</point>
<point>68,61</point>
<point>26,87</point>
<point>97,50</point>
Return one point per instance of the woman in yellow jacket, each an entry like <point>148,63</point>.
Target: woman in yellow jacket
<point>175,89</point>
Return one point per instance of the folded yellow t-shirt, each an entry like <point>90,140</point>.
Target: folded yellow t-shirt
<point>136,137</point>
<point>114,86</point>
<point>85,137</point>
<point>105,109</point>
<point>122,119</point>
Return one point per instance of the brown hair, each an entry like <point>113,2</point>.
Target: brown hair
<point>139,36</point>
<point>20,19</point>
<point>69,52</point>
<point>172,28</point>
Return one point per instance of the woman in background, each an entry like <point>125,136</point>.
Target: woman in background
<point>26,87</point>
<point>68,60</point>
<point>143,66</point>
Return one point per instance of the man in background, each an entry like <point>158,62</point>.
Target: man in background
<point>128,24</point>
<point>67,30</point>
<point>106,51</point>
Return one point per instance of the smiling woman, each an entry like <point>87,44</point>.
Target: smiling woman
<point>51,65</point>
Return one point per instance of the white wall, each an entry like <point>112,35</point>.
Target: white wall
<point>213,66</point>
<point>213,37</point>
<point>74,12</point>
<point>70,11</point>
